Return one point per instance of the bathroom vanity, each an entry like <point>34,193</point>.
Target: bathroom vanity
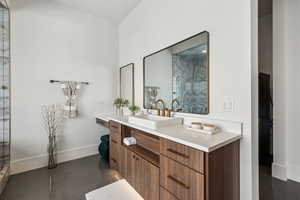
<point>174,163</point>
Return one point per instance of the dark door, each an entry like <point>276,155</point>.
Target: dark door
<point>265,120</point>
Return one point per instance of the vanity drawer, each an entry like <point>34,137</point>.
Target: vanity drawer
<point>115,132</point>
<point>115,138</point>
<point>114,156</point>
<point>115,127</point>
<point>179,180</point>
<point>165,195</point>
<point>147,141</point>
<point>185,155</point>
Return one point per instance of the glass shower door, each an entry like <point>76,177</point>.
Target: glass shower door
<point>4,86</point>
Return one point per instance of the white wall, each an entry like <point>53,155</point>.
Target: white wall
<point>155,24</point>
<point>286,96</point>
<point>292,46</point>
<point>50,41</point>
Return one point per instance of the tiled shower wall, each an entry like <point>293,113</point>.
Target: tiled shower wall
<point>4,86</point>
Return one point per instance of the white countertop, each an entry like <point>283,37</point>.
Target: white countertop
<point>182,135</point>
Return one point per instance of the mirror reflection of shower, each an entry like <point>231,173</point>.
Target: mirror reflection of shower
<point>181,72</point>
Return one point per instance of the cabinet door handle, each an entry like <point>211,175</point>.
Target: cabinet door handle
<point>112,159</point>
<point>114,141</point>
<point>178,182</point>
<point>178,153</point>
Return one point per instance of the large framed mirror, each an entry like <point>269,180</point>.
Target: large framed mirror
<point>127,82</point>
<point>179,76</point>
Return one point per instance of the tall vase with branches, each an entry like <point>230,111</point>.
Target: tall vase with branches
<point>52,120</point>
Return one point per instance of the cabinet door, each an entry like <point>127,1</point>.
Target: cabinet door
<point>142,176</point>
<point>138,174</point>
<point>148,178</point>
<point>114,154</point>
<point>123,161</point>
<point>130,168</point>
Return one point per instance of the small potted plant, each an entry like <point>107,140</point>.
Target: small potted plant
<point>134,109</point>
<point>120,103</point>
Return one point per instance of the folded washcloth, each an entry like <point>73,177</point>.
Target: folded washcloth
<point>129,141</point>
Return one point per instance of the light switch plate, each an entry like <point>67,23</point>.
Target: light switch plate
<point>228,105</point>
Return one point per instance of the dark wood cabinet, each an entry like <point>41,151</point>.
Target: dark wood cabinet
<point>158,168</point>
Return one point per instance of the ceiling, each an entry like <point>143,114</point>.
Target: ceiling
<point>112,10</point>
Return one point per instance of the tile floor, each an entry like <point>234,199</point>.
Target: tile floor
<point>69,181</point>
<point>72,180</point>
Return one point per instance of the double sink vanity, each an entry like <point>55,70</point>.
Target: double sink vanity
<point>170,162</point>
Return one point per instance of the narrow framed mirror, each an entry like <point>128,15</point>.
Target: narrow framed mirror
<point>178,76</point>
<point>127,82</point>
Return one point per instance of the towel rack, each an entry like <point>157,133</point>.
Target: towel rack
<point>55,81</point>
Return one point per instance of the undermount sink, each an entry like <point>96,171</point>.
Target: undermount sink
<point>153,121</point>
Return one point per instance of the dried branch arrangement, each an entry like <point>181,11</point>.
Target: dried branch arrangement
<point>52,119</point>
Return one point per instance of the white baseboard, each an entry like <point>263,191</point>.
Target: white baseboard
<point>27,164</point>
<point>294,173</point>
<point>279,171</point>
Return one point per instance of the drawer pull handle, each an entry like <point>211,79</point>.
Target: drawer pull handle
<point>114,127</point>
<point>178,182</point>
<point>114,141</point>
<point>112,159</point>
<point>178,153</point>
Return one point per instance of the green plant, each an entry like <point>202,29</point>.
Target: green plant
<point>125,103</point>
<point>120,102</point>
<point>134,109</point>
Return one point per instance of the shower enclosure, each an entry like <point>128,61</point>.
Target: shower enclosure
<point>4,93</point>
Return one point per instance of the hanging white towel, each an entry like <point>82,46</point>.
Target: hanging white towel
<point>70,90</point>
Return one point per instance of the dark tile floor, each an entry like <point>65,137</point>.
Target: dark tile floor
<point>275,189</point>
<point>70,181</point>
